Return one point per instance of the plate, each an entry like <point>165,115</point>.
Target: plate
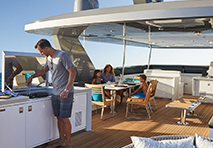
<point>121,85</point>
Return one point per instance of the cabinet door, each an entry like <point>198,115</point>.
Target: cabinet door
<point>206,87</point>
<point>78,118</point>
<point>164,88</point>
<point>37,123</point>
<point>12,127</point>
<point>54,134</point>
<point>187,85</point>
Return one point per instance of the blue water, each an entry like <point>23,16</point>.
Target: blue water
<point>0,81</point>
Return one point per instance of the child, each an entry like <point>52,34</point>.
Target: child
<point>141,90</point>
<point>96,79</point>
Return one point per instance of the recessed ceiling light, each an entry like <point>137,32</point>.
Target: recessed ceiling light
<point>198,44</point>
<point>107,35</point>
<point>210,41</point>
<point>179,45</point>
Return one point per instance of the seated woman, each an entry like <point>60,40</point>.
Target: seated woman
<point>142,89</point>
<point>108,75</point>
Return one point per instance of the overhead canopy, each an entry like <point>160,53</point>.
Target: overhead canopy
<point>179,24</point>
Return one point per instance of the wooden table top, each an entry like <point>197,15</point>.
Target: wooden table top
<point>117,87</point>
<point>186,102</point>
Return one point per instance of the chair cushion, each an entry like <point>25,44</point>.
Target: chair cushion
<point>137,79</point>
<point>203,143</point>
<point>140,142</point>
<point>28,74</point>
<point>140,94</point>
<point>98,97</point>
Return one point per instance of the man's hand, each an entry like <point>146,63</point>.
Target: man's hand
<point>64,94</point>
<point>29,81</point>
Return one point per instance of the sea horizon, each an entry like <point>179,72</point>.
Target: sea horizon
<point>0,80</point>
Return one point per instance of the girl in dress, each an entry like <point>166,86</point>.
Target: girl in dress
<point>96,79</point>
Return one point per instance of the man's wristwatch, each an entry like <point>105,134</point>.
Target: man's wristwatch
<point>66,90</point>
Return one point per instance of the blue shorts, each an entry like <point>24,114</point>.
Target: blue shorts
<point>140,94</point>
<point>62,107</point>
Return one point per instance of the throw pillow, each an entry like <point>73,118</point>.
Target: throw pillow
<point>202,142</point>
<point>98,97</point>
<point>28,74</point>
<point>140,142</point>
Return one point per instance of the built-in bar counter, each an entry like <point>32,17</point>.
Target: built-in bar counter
<point>30,122</point>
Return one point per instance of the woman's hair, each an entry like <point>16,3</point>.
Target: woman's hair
<point>112,70</point>
<point>95,74</point>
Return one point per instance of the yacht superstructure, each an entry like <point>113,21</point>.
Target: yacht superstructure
<point>169,25</point>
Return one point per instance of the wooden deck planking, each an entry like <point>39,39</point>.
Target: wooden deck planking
<point>115,132</point>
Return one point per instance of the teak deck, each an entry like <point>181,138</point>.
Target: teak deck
<point>115,132</point>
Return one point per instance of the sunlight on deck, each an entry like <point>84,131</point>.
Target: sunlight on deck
<point>130,126</point>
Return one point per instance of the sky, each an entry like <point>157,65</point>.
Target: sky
<point>14,15</point>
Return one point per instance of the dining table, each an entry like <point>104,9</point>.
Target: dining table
<point>116,87</point>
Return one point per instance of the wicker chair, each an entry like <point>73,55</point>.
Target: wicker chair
<point>168,137</point>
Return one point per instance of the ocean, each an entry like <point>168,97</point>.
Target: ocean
<point>0,81</point>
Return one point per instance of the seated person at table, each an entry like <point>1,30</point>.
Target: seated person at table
<point>142,89</point>
<point>96,79</point>
<point>108,75</point>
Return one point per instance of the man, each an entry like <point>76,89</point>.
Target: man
<point>9,72</point>
<point>63,76</point>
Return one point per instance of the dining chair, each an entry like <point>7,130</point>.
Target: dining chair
<point>152,96</point>
<point>99,98</point>
<point>141,102</point>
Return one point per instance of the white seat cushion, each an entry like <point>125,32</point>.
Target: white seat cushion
<point>140,142</point>
<point>203,143</point>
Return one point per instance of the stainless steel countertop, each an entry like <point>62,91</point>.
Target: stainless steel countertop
<point>23,99</point>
